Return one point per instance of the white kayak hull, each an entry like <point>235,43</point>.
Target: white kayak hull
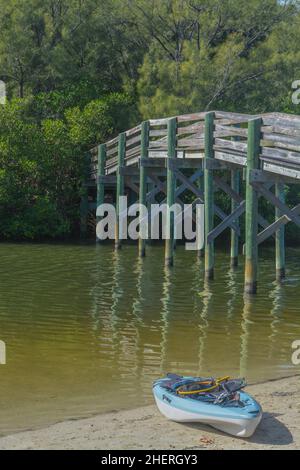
<point>240,420</point>
<point>238,427</point>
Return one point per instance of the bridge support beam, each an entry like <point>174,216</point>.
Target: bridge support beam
<point>234,248</point>
<point>100,179</point>
<point>209,195</point>
<point>251,249</point>
<point>143,181</point>
<point>171,189</point>
<point>280,236</point>
<point>201,253</point>
<point>120,188</point>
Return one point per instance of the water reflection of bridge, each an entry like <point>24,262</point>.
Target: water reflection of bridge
<point>143,332</point>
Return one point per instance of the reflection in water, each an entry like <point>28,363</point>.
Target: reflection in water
<point>245,335</point>
<point>88,329</point>
<point>206,296</point>
<point>117,293</point>
<point>277,298</point>
<point>137,311</point>
<point>232,290</point>
<point>165,301</point>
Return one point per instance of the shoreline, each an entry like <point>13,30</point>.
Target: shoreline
<point>146,428</point>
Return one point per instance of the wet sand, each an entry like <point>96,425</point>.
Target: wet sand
<point>146,428</point>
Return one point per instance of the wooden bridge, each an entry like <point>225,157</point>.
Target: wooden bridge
<point>170,156</point>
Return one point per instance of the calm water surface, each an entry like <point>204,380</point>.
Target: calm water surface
<point>88,329</point>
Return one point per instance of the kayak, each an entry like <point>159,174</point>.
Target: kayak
<point>220,403</point>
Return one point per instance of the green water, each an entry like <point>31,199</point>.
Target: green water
<point>88,329</point>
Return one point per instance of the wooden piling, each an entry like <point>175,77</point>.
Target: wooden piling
<point>100,175</point>
<point>201,188</point>
<point>150,200</point>
<point>143,179</point>
<point>251,253</point>
<point>120,186</point>
<point>280,236</point>
<point>171,187</point>
<point>209,195</point>
<point>234,248</point>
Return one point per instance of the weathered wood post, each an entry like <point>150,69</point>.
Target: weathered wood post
<point>171,187</point>
<point>209,194</point>
<point>150,200</point>
<point>234,248</point>
<point>100,177</point>
<point>143,180</point>
<point>201,187</point>
<point>120,187</point>
<point>84,202</point>
<point>280,236</point>
<point>251,249</point>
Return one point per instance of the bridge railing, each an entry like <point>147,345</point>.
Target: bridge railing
<point>280,141</point>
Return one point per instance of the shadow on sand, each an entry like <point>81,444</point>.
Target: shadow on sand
<point>272,431</point>
<point>269,432</point>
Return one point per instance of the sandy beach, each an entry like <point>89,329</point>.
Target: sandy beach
<point>145,428</point>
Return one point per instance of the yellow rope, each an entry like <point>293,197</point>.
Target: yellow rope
<point>209,389</point>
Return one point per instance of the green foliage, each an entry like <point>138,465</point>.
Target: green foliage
<point>221,55</point>
<point>99,119</point>
<point>33,189</point>
<point>42,164</point>
<point>53,104</point>
<point>47,45</point>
